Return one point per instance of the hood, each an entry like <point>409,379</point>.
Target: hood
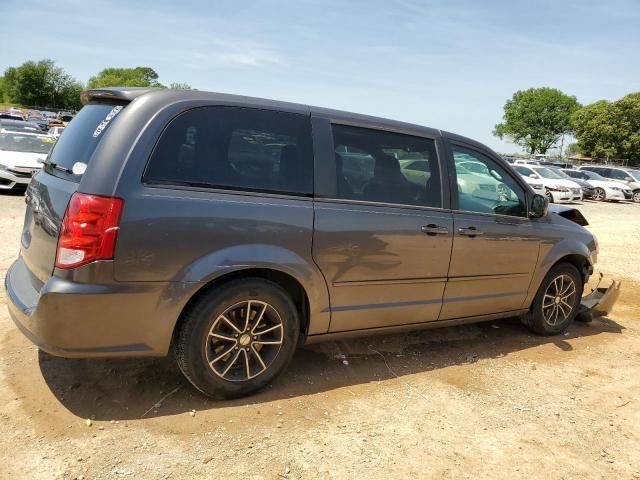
<point>569,213</point>
<point>21,159</point>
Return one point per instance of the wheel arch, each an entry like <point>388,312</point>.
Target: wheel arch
<point>289,283</point>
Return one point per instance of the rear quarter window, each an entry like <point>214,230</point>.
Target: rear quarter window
<point>81,137</point>
<point>237,149</point>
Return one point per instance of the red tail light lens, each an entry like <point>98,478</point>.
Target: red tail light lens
<point>89,230</point>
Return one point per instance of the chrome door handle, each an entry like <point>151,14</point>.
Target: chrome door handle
<point>433,229</point>
<point>470,232</point>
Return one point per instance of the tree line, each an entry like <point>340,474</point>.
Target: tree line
<point>43,84</point>
<point>537,119</point>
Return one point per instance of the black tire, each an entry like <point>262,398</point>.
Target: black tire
<point>542,322</point>
<point>194,345</point>
<point>636,196</point>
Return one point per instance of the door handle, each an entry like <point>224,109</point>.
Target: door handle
<point>433,229</point>
<point>470,231</point>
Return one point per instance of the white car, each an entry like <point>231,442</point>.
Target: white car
<point>19,155</point>
<point>537,185</point>
<point>557,189</point>
<point>605,189</point>
<point>55,132</point>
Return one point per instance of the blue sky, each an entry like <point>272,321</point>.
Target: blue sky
<point>447,64</point>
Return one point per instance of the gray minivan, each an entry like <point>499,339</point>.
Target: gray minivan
<point>232,229</point>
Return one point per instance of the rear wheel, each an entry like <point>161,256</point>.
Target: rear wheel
<point>237,338</point>
<point>599,195</point>
<point>556,304</point>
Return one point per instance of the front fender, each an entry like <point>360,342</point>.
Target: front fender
<point>551,254</point>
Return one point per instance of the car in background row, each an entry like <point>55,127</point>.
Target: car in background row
<point>557,188</point>
<point>605,189</point>
<point>628,176</point>
<point>55,132</point>
<point>18,126</point>
<point>588,191</point>
<point>20,155</point>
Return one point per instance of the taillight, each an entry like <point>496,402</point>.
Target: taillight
<point>89,230</point>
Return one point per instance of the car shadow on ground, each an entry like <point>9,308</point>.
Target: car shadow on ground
<point>114,389</point>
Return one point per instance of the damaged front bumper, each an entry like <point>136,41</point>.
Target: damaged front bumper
<point>601,300</point>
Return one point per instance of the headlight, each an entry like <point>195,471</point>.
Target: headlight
<point>616,189</point>
<point>559,188</point>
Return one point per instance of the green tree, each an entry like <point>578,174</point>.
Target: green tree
<point>536,118</point>
<point>181,86</point>
<point>125,77</point>
<point>610,130</point>
<point>41,84</point>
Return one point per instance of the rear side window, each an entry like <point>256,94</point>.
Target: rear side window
<point>387,167</point>
<point>79,139</point>
<point>235,148</point>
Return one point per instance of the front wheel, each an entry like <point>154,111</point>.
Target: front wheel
<point>599,195</point>
<point>636,196</point>
<point>556,304</point>
<point>549,195</point>
<point>236,338</point>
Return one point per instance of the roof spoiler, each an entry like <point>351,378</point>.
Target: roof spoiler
<point>114,94</point>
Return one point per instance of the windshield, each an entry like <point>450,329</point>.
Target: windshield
<point>15,142</point>
<point>547,173</point>
<point>593,175</point>
<point>561,173</point>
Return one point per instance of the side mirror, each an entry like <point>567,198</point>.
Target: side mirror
<point>628,179</point>
<point>539,206</point>
<point>533,175</point>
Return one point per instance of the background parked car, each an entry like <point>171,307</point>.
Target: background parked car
<point>55,132</point>
<point>19,155</point>
<point>18,126</point>
<point>588,190</point>
<point>628,176</point>
<point>557,188</point>
<point>604,189</point>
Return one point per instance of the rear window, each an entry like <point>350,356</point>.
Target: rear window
<point>235,148</point>
<point>81,137</point>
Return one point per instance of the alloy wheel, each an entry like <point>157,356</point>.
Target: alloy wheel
<point>599,194</point>
<point>549,196</point>
<point>636,196</point>
<point>244,340</point>
<point>558,301</point>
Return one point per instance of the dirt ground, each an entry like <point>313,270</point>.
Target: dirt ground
<point>480,401</point>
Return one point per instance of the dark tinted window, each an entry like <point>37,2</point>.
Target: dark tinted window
<point>236,148</point>
<point>618,174</point>
<point>379,166</point>
<point>81,137</point>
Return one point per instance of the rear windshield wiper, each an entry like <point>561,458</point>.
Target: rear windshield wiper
<point>46,161</point>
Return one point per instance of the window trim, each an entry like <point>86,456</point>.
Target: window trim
<point>327,164</point>
<point>226,188</point>
<point>453,184</point>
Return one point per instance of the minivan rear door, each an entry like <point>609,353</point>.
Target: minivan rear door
<point>49,192</point>
<point>381,235</point>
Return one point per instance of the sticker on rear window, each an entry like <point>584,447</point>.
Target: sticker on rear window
<point>103,124</point>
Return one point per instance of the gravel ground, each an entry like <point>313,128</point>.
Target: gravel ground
<point>480,401</point>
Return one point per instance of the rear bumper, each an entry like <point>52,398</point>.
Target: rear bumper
<point>70,319</point>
